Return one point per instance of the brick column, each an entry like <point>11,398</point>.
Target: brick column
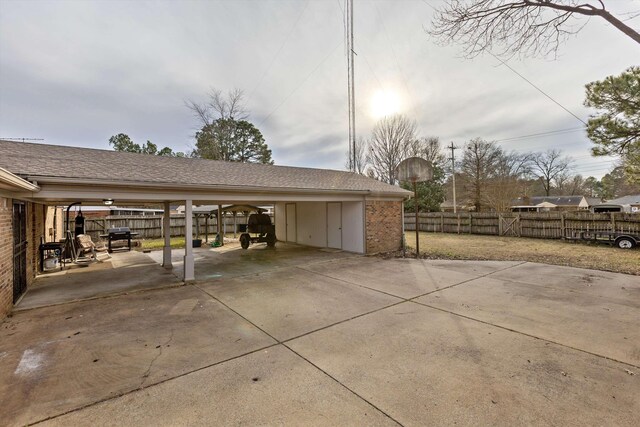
<point>6,256</point>
<point>383,226</point>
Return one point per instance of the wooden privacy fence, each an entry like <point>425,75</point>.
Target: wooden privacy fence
<point>150,226</point>
<point>545,225</point>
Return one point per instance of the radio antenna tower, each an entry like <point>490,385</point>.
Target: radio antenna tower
<point>351,87</point>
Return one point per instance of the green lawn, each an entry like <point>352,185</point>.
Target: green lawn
<point>176,242</point>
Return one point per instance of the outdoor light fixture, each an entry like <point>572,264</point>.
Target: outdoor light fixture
<point>107,202</point>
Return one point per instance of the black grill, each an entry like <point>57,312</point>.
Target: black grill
<point>120,233</point>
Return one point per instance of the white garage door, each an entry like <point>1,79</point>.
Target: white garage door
<point>334,225</point>
<point>291,222</point>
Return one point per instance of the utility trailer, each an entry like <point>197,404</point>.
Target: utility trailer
<point>260,225</point>
<point>621,240</point>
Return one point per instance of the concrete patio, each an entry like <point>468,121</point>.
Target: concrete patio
<point>308,337</point>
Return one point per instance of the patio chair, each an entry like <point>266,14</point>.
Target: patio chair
<point>85,246</point>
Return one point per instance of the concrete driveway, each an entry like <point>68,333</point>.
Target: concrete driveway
<point>300,336</point>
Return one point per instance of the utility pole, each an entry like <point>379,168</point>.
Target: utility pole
<point>351,87</point>
<point>453,174</point>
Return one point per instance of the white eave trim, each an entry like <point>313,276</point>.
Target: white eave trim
<point>199,187</point>
<point>15,182</point>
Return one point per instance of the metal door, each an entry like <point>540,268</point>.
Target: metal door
<point>19,250</point>
<point>334,225</point>
<point>291,222</point>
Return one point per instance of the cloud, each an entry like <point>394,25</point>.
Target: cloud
<point>76,73</point>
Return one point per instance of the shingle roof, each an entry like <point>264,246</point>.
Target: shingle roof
<point>556,200</point>
<point>633,199</point>
<point>593,201</point>
<point>54,161</point>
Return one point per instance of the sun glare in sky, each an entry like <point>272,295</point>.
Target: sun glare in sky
<point>385,102</point>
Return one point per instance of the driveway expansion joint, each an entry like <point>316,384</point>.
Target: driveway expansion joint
<point>343,385</point>
<point>284,344</point>
<point>348,282</point>
<point>417,296</point>
<point>236,313</point>
<point>106,399</point>
<point>466,281</point>
<point>18,310</point>
<point>601,356</point>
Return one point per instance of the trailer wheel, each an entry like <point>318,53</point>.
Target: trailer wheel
<point>625,242</point>
<point>245,239</point>
<point>271,240</point>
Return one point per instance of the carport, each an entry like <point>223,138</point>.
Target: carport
<point>313,207</point>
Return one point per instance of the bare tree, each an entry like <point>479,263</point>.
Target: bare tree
<point>575,185</point>
<point>549,167</point>
<point>219,106</point>
<point>479,164</point>
<point>562,184</point>
<point>390,143</point>
<point>428,148</point>
<point>524,27</point>
<point>508,181</point>
<point>360,157</point>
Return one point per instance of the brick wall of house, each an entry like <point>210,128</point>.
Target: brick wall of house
<point>6,256</point>
<point>36,215</point>
<point>36,218</point>
<point>383,225</point>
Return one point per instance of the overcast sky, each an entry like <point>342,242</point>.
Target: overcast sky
<point>77,72</point>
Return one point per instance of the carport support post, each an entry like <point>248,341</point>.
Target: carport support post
<point>235,225</point>
<point>166,229</point>
<point>220,230</point>
<point>415,208</point>
<point>188,242</point>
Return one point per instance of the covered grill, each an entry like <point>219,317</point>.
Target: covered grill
<point>119,233</point>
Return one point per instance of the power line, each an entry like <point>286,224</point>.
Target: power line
<point>284,42</point>
<point>590,156</point>
<point>375,76</point>
<point>594,170</point>
<point>344,24</point>
<point>599,162</point>
<point>538,89</point>
<point>525,79</point>
<point>538,147</point>
<point>300,84</point>
<point>548,133</point>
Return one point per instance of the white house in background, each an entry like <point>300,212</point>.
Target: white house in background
<point>553,203</point>
<point>630,204</point>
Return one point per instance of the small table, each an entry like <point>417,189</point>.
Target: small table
<point>56,247</point>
